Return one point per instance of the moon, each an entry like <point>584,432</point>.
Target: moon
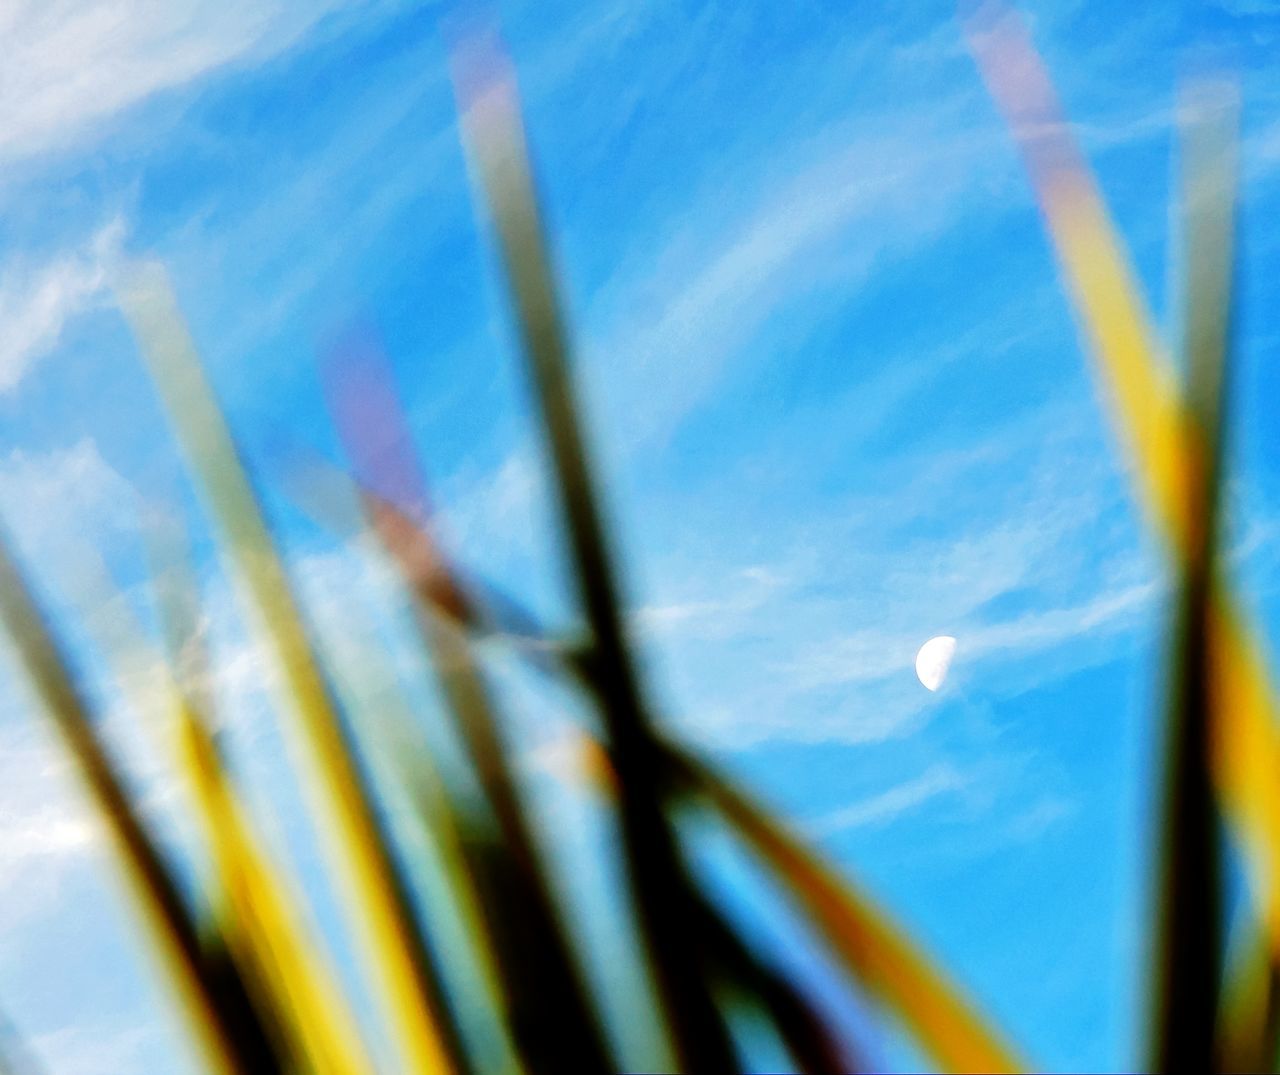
<point>934,660</point>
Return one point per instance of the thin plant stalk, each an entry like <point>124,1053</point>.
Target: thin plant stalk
<point>554,1021</point>
<point>397,955</point>
<point>875,952</point>
<point>228,1031</point>
<point>1189,944</point>
<point>264,922</point>
<point>1157,431</point>
<point>660,882</point>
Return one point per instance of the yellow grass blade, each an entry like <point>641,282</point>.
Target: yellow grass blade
<point>558,1027</point>
<point>377,900</point>
<point>264,925</point>
<point>335,501</point>
<point>260,921</point>
<point>657,870</point>
<point>160,904</point>
<point>1152,423</point>
<point>874,951</point>
<point>869,947</point>
<point>368,685</point>
<point>1135,377</point>
<point>1188,960</point>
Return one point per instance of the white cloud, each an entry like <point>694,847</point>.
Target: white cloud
<point>45,833</point>
<point>46,827</point>
<point>108,1049</point>
<point>70,65</point>
<point>1037,567</point>
<point>50,498</point>
<point>751,588</point>
<point>938,780</point>
<point>856,198</point>
<point>35,824</point>
<point>1038,818</point>
<point>73,66</point>
<point>871,655</point>
<point>485,508</point>
<point>1247,8</point>
<point>36,302</point>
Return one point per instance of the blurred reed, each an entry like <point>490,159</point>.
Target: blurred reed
<point>1222,745</point>
<point>240,951</point>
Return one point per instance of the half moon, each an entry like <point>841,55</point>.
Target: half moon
<point>934,660</point>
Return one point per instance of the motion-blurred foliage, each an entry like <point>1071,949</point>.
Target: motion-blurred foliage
<point>480,927</point>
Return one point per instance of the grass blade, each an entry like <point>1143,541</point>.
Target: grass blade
<point>1155,428</point>
<point>284,977</point>
<point>874,951</point>
<point>813,1046</point>
<point>264,925</point>
<point>554,1022</point>
<point>1189,967</point>
<point>227,1029</point>
<point>660,882</point>
<point>1249,1019</point>
<point>398,958</point>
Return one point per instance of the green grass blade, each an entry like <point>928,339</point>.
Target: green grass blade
<point>1189,945</point>
<point>813,1045</point>
<point>554,1021</point>
<point>660,881</point>
<point>874,951</point>
<point>1156,430</point>
<point>397,956</point>
<point>264,922</point>
<point>225,1024</point>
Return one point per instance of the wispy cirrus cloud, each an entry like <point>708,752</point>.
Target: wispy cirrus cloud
<point>71,65</point>
<point>40,491</point>
<point>106,1048</point>
<point>940,779</point>
<point>847,202</point>
<point>1038,571</point>
<point>48,833</point>
<point>35,825</point>
<point>37,300</point>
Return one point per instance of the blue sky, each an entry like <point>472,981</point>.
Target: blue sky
<point>832,380</point>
